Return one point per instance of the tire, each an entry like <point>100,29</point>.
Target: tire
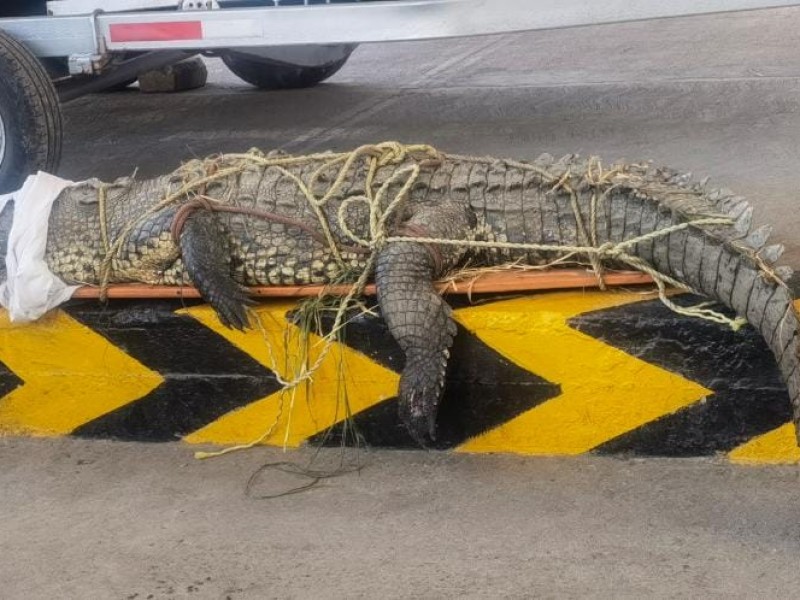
<point>30,116</point>
<point>269,75</point>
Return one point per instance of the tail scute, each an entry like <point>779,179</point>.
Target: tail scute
<point>733,264</point>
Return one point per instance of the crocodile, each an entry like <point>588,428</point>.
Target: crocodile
<point>235,221</point>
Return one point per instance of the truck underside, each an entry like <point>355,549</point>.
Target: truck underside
<point>23,8</point>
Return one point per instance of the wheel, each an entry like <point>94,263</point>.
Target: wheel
<point>30,116</point>
<point>270,75</point>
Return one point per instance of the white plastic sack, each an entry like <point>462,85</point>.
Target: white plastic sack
<point>31,289</point>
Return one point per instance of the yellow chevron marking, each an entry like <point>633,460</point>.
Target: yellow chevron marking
<point>778,446</point>
<point>605,392</point>
<point>71,375</point>
<point>364,383</point>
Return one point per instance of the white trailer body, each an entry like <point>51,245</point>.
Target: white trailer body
<point>88,45</point>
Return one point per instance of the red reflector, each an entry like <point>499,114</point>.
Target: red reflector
<point>156,32</point>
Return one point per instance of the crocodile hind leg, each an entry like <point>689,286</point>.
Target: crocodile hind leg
<point>206,255</point>
<point>420,321</point>
<point>417,316</point>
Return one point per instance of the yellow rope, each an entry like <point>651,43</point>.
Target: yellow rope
<point>394,153</point>
<point>611,251</point>
<point>379,155</point>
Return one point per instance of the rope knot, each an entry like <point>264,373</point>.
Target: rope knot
<point>610,250</point>
<point>394,153</point>
<point>391,153</point>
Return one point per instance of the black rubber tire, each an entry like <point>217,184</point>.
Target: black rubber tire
<point>268,75</point>
<point>31,115</point>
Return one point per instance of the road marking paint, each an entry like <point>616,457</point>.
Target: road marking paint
<point>71,375</point>
<point>778,446</point>
<point>605,392</point>
<point>315,409</point>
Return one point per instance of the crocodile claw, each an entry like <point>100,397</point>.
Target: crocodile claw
<point>206,255</point>
<point>419,421</point>
<point>420,391</point>
<point>231,308</point>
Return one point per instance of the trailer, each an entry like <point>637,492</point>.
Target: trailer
<point>54,51</point>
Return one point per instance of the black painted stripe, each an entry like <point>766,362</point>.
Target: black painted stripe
<point>483,390</point>
<point>9,381</point>
<point>205,377</point>
<point>748,398</point>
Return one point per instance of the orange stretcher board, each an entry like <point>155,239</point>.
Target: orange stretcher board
<point>490,282</point>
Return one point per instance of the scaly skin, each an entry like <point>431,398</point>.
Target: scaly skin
<point>457,198</point>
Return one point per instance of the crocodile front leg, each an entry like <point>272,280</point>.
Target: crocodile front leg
<point>417,316</point>
<point>206,256</point>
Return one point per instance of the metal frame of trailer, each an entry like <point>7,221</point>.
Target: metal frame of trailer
<point>85,46</point>
<point>355,22</point>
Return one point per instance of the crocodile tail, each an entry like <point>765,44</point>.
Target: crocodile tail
<point>730,263</point>
<point>720,254</point>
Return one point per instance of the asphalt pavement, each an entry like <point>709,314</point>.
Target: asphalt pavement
<point>715,95</point>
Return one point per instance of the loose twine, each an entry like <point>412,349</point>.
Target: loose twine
<point>395,154</point>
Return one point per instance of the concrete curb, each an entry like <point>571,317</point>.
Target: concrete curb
<point>561,373</point>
